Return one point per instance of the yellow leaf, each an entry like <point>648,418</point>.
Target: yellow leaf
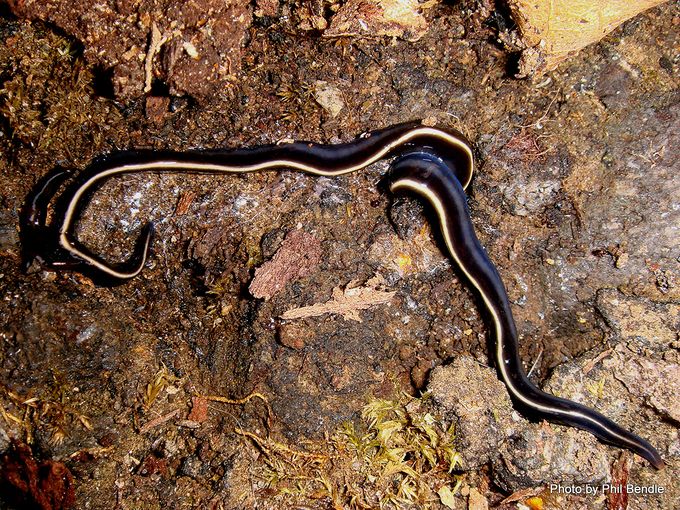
<point>446,496</point>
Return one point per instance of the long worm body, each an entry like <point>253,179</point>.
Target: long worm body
<point>433,163</point>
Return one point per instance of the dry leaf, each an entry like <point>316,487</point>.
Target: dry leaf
<point>553,29</point>
<point>446,496</point>
<point>347,303</point>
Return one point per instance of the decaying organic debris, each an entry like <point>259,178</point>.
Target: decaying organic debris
<point>346,302</point>
<point>551,30</point>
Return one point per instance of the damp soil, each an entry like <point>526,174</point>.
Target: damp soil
<point>576,192</point>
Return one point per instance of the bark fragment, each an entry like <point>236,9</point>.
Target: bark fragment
<point>298,255</point>
<point>346,303</point>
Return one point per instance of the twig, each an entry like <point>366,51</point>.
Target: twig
<point>531,370</point>
<point>263,443</point>
<point>158,421</point>
<point>591,364</point>
<point>241,401</point>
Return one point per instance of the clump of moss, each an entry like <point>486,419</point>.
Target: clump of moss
<point>25,415</point>
<point>47,97</point>
<point>161,380</point>
<point>299,103</point>
<point>397,456</point>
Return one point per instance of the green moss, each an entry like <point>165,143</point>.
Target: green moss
<point>45,409</point>
<point>47,97</point>
<point>299,103</point>
<point>397,456</point>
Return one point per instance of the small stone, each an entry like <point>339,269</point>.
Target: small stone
<point>622,260</point>
<point>199,410</point>
<point>480,402</point>
<point>329,97</point>
<point>191,466</point>
<point>613,86</point>
<point>293,336</point>
<point>108,439</point>
<point>476,501</point>
<point>419,374</point>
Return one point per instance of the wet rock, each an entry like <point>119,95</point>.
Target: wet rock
<point>417,254</point>
<point>637,392</point>
<point>481,406</point>
<point>527,454</point>
<point>623,184</point>
<point>331,194</point>
<point>653,324</point>
<point>634,201</point>
<point>407,216</point>
<point>541,453</point>
<point>530,197</point>
<point>657,382</point>
<point>293,335</point>
<point>646,328</point>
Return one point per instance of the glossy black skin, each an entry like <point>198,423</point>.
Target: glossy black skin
<point>432,171</point>
<point>427,159</point>
<point>41,241</point>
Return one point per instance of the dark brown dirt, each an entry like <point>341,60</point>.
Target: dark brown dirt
<point>189,47</point>
<point>576,192</point>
